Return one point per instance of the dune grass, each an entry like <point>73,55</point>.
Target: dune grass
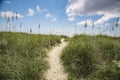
<point>92,58</point>
<point>23,56</point>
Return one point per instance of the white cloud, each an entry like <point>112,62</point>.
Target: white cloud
<point>7,2</point>
<point>119,22</point>
<point>108,8</point>
<point>71,19</point>
<point>51,17</point>
<point>10,14</point>
<point>38,8</point>
<point>106,17</point>
<point>89,22</point>
<point>45,10</point>
<point>48,15</point>
<point>30,12</point>
<point>74,7</point>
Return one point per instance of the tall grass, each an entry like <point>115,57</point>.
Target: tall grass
<point>92,58</point>
<point>22,56</point>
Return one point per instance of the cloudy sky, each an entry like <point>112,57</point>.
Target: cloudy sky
<point>60,16</point>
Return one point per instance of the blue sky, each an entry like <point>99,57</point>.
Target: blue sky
<point>60,16</point>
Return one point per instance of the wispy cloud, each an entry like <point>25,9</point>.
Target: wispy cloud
<point>10,14</point>
<point>45,10</point>
<point>89,22</point>
<point>51,17</point>
<point>71,19</point>
<point>48,15</point>
<point>30,12</point>
<point>105,18</point>
<point>7,2</point>
<point>38,8</point>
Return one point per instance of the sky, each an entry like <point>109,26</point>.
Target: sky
<point>66,17</point>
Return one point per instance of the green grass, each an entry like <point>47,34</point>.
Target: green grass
<point>92,58</point>
<point>23,56</point>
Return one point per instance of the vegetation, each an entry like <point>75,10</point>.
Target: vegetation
<point>92,58</point>
<point>22,56</point>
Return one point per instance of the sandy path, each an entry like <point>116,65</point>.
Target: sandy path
<point>56,71</point>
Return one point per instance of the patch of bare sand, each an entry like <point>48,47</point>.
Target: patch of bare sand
<point>56,71</point>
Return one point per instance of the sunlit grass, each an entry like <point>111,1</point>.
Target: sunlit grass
<point>22,56</point>
<point>91,58</point>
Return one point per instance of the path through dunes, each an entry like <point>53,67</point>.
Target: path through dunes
<point>56,71</point>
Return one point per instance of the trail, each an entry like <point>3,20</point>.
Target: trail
<point>56,71</point>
